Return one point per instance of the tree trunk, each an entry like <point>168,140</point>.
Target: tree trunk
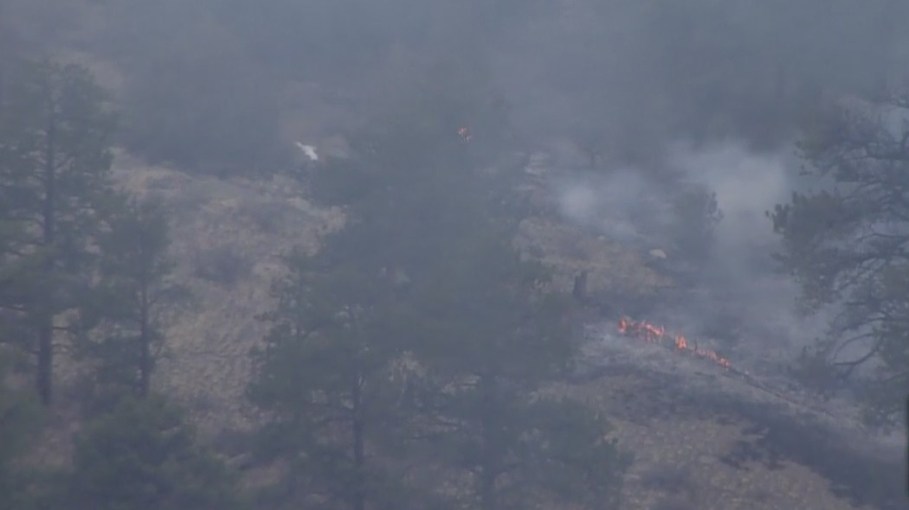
<point>46,327</point>
<point>3,49</point>
<point>145,356</point>
<point>359,457</point>
<point>45,359</point>
<point>579,291</point>
<point>489,468</point>
<point>488,489</point>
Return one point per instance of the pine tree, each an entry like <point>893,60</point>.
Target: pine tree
<point>323,379</point>
<point>135,289</point>
<point>494,339</point>
<point>847,244</point>
<point>418,337</point>
<point>54,172</point>
<point>19,415</point>
<point>143,456</point>
<point>325,375</point>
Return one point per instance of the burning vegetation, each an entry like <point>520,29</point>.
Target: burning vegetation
<point>651,333</point>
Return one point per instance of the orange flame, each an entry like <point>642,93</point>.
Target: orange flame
<point>650,333</point>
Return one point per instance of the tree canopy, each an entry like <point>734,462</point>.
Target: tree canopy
<point>847,244</point>
<point>55,173</point>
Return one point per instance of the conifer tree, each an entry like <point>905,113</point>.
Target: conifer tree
<point>54,173</point>
<point>136,288</point>
<point>142,455</point>
<point>496,338</point>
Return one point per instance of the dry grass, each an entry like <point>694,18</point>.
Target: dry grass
<point>682,448</point>
<point>612,270</point>
<point>229,236</point>
<point>228,240</point>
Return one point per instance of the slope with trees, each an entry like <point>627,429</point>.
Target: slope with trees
<point>417,336</point>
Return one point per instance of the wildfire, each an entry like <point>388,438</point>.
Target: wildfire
<point>650,333</point>
<point>465,134</point>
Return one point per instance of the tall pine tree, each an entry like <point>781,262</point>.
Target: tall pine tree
<point>135,289</point>
<point>54,170</point>
<point>326,373</point>
<point>142,455</point>
<point>19,415</point>
<point>419,317</point>
<point>323,380</point>
<point>495,337</point>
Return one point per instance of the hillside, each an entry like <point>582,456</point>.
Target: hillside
<point>702,440</point>
<point>647,149</point>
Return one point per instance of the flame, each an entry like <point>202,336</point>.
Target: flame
<point>465,134</point>
<point>651,333</point>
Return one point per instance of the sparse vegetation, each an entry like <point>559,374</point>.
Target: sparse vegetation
<point>419,348</point>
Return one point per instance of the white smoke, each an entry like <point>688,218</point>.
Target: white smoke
<point>611,203</point>
<point>741,283</point>
<point>746,186</point>
<point>744,280</point>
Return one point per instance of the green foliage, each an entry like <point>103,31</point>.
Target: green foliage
<point>493,338</point>
<point>564,450</point>
<point>485,304</point>
<point>55,174</point>
<point>135,289</point>
<point>342,319</point>
<point>142,455</point>
<point>846,244</point>
<point>323,379</point>
<point>19,415</point>
<point>417,335</point>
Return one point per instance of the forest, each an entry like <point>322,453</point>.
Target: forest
<point>500,254</point>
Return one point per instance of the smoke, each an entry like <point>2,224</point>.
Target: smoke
<point>747,185</point>
<point>745,295</point>
<point>743,279</point>
<point>740,296</point>
<point>612,204</point>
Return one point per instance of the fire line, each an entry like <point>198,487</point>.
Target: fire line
<point>652,333</point>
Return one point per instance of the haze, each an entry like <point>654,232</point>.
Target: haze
<point>573,254</point>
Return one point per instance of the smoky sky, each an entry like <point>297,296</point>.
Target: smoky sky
<point>634,74</point>
<point>710,92</point>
